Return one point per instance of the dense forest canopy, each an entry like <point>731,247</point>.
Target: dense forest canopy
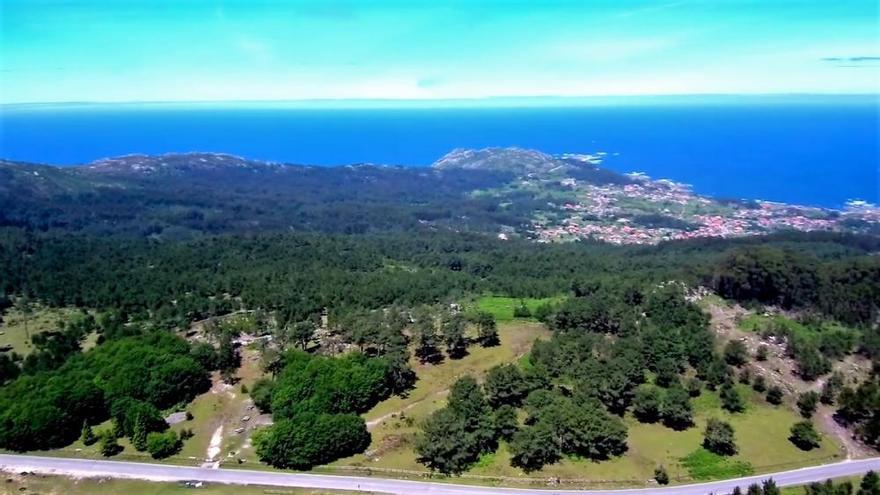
<point>175,282</point>
<point>129,379</point>
<point>388,253</point>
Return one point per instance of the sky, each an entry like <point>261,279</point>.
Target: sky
<point>196,50</point>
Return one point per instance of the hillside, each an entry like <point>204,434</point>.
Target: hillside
<point>503,191</point>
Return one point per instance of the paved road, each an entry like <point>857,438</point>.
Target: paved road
<point>160,472</point>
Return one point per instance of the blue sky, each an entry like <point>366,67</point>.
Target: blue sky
<point>189,50</point>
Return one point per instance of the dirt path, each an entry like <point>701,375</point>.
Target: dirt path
<point>374,422</point>
<point>214,449</point>
<point>854,449</point>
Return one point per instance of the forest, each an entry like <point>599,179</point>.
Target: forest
<point>625,336</point>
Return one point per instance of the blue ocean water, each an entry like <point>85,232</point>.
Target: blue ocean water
<point>819,153</point>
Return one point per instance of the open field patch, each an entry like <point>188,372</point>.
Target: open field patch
<point>18,327</point>
<point>502,308</point>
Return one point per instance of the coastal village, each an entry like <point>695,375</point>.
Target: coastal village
<point>647,211</point>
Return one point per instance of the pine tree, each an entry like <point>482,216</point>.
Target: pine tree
<point>870,484</point>
<point>770,487</point>
<point>730,399</point>
<point>109,446</point>
<point>426,339</point>
<point>88,436</point>
<point>453,335</point>
<point>488,329</point>
<point>139,434</point>
<point>774,395</point>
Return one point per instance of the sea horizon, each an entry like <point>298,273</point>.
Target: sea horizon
<point>726,146</point>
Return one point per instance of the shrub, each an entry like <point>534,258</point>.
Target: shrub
<point>761,353</point>
<point>661,475</point>
<point>735,353</point>
<point>804,435</point>
<point>162,445</point>
<point>646,404</point>
<point>759,384</point>
<point>718,437</point>
<point>108,444</point>
<point>807,403</point>
<point>731,400</point>
<point>774,395</point>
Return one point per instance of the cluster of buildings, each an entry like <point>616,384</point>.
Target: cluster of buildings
<point>617,214</point>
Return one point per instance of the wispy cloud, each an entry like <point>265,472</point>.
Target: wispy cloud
<point>852,60</point>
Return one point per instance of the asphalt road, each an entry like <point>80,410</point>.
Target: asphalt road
<point>160,472</point>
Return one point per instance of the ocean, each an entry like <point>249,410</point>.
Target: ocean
<point>807,152</point>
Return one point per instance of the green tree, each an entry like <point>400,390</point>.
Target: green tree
<point>445,445</point>
<point>505,385</point>
<point>506,422</point>
<point>521,310</point>
<point>718,437</point>
<point>647,404</point>
<point>453,335</point>
<point>730,399</point>
<point>303,332</point>
<point>759,384</point>
<point>829,488</point>
<point>162,445</point>
<point>661,476</point>
<point>694,387</point>
<point>534,447</point>
<point>804,435</point>
<point>108,444</point>
<point>454,437</point>
<point>870,484</point>
<point>774,395</point>
<point>88,436</point>
<point>261,394</point>
<point>309,439</point>
<point>139,434</point>
<point>676,409</point>
<point>467,401</point>
<point>736,353</point>
<point>667,372</point>
<point>769,487</point>
<point>427,349</point>
<point>807,403</point>
<point>831,388</point>
<point>488,329</point>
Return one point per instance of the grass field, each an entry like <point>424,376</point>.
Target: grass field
<point>761,433</point>
<point>394,422</point>
<point>502,307</point>
<point>16,328</point>
<point>59,485</point>
<point>799,490</point>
